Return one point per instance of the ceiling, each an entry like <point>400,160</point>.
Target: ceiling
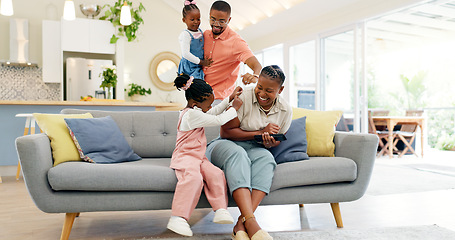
<point>427,22</point>
<point>243,12</point>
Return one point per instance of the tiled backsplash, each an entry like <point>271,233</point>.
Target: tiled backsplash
<point>26,83</point>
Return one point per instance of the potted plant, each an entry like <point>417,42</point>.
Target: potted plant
<point>109,76</point>
<point>135,90</point>
<point>112,14</point>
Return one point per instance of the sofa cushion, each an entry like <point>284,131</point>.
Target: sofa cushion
<point>63,148</point>
<point>155,175</point>
<point>316,170</point>
<point>99,140</point>
<point>320,129</point>
<point>294,148</point>
<point>143,175</point>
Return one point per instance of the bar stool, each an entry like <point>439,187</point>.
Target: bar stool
<point>29,125</point>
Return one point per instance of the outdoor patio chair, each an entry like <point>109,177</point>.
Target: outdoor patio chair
<point>407,133</point>
<point>383,135</point>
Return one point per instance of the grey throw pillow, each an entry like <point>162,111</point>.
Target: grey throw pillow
<point>99,140</point>
<point>295,147</point>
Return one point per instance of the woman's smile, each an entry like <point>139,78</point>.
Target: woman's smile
<point>263,101</point>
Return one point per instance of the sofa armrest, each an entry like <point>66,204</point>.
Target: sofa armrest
<point>35,156</point>
<point>361,148</point>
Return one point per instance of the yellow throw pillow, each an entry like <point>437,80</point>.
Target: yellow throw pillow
<point>320,130</point>
<point>63,148</point>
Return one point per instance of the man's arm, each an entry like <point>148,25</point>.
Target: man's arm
<point>254,64</point>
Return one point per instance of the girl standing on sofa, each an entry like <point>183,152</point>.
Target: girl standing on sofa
<point>192,42</point>
<point>191,166</point>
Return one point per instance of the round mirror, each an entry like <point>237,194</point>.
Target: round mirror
<point>163,70</point>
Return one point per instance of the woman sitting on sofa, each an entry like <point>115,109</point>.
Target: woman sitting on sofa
<point>247,164</point>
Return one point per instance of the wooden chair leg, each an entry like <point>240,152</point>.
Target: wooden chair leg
<point>384,149</point>
<point>408,146</point>
<point>337,214</point>
<point>67,225</point>
<point>18,172</point>
<point>381,144</point>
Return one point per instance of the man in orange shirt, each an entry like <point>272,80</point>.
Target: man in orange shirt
<point>227,50</point>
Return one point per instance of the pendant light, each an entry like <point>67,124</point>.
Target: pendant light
<point>69,12</point>
<point>125,14</point>
<point>6,7</point>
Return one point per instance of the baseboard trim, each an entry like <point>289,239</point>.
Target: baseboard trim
<point>8,171</point>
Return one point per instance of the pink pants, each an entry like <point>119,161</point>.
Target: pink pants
<point>191,179</point>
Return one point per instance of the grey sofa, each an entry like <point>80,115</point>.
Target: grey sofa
<point>148,184</point>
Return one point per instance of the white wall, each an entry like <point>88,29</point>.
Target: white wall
<point>159,33</point>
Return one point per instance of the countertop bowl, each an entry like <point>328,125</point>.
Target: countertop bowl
<point>90,10</point>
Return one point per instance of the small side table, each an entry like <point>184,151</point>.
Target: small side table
<point>29,125</point>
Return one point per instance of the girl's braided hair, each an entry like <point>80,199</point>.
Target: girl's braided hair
<point>198,90</point>
<point>274,72</point>
<point>188,8</point>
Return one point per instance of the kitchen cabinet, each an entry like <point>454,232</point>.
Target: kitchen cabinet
<point>100,37</point>
<point>87,35</point>
<point>51,51</point>
<point>86,38</point>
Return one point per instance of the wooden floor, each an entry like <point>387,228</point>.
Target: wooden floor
<point>21,220</point>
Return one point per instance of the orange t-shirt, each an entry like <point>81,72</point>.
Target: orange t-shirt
<point>226,51</point>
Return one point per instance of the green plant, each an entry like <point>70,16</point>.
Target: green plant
<point>415,91</point>
<point>109,79</point>
<point>112,14</point>
<point>440,123</point>
<point>446,142</point>
<point>375,99</point>
<point>137,89</point>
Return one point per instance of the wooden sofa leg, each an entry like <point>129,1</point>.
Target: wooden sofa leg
<point>301,205</point>
<point>337,214</point>
<point>67,225</point>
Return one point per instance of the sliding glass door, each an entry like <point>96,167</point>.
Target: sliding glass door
<point>341,74</point>
<point>303,75</point>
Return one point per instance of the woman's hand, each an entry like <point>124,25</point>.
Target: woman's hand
<point>269,141</point>
<point>237,91</point>
<point>271,128</point>
<point>237,103</point>
<point>248,78</point>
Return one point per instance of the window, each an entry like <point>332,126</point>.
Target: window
<point>302,73</point>
<point>268,56</point>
